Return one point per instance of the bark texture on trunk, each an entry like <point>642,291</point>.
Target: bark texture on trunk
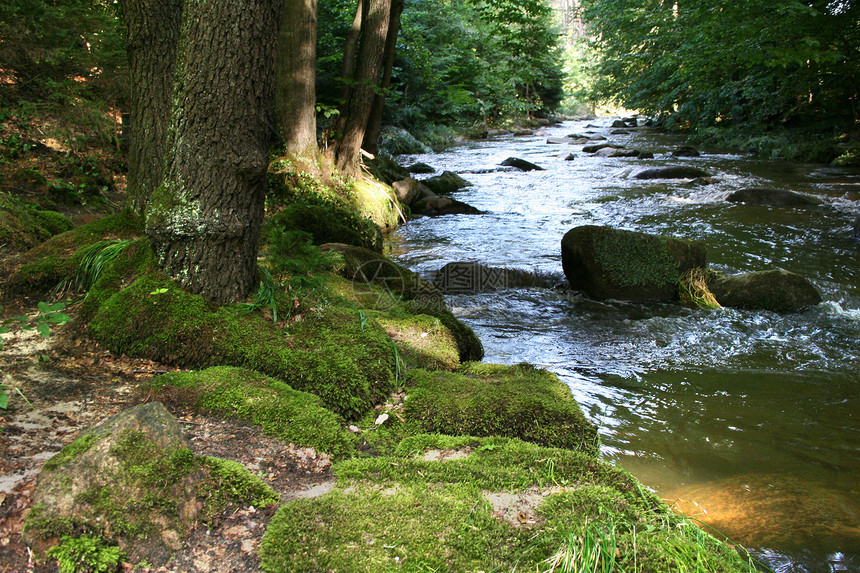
<point>295,96</point>
<point>152,34</point>
<point>204,219</point>
<point>374,123</point>
<point>365,83</point>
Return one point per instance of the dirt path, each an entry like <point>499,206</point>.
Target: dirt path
<point>72,383</point>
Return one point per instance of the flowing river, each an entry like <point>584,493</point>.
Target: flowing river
<point>747,420</point>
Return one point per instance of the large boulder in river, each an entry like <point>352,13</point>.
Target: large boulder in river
<point>608,263</point>
<point>132,480</point>
<point>673,172</point>
<point>521,164</point>
<point>398,141</point>
<point>448,182</point>
<point>776,290</point>
<point>772,198</point>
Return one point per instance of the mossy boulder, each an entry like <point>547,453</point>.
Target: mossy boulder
<point>369,271</point>
<point>608,263</point>
<point>132,479</point>
<point>673,172</point>
<point>485,504</point>
<point>775,290</point>
<point>41,268</point>
<point>494,400</point>
<point>328,224</point>
<point>424,341</point>
<point>398,141</point>
<point>446,183</point>
<point>287,414</point>
<point>331,353</point>
<point>772,198</point>
<point>23,226</point>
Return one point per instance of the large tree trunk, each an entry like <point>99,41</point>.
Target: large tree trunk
<point>365,83</point>
<point>204,219</point>
<point>374,124</point>
<point>152,34</point>
<point>295,96</point>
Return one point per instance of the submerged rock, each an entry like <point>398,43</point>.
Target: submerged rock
<point>775,290</point>
<point>448,182</point>
<point>436,206</point>
<point>686,151</point>
<point>608,263</point>
<point>521,164</point>
<point>420,168</point>
<point>675,172</point>
<point>772,198</point>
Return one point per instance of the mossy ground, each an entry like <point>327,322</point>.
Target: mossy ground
<point>280,411</point>
<point>23,226</point>
<point>410,512</point>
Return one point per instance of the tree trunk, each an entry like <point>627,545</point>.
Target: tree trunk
<point>152,34</point>
<point>204,219</point>
<point>295,95</point>
<point>365,82</point>
<point>374,124</point>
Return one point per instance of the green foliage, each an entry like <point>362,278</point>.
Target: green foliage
<point>761,65</point>
<point>94,259</point>
<point>86,554</point>
<point>71,451</point>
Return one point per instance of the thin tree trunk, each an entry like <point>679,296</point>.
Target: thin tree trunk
<point>152,34</point>
<point>374,124</point>
<point>295,95</point>
<point>349,51</point>
<point>204,219</point>
<point>374,31</point>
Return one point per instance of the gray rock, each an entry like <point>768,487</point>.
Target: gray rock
<point>619,123</point>
<point>617,152</point>
<point>420,168</point>
<point>448,182</point>
<point>619,132</point>
<point>444,206</point>
<point>686,151</point>
<point>523,133</point>
<point>597,147</point>
<point>772,198</point>
<point>398,141</point>
<point>407,190</point>
<point>676,172</point>
<point>608,263</point>
<point>645,155</point>
<point>521,164</point>
<point>777,291</point>
<point>568,156</point>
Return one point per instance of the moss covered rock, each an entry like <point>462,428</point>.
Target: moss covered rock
<point>289,415</point>
<point>424,341</point>
<point>609,263</point>
<point>494,400</point>
<point>327,224</point>
<point>369,271</point>
<point>447,182</point>
<point>42,268</point>
<point>486,504</point>
<point>350,365</point>
<point>23,226</point>
<point>776,290</point>
<point>132,479</point>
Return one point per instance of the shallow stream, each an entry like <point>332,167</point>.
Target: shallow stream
<point>748,420</point>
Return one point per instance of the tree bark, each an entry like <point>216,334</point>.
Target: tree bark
<point>365,83</point>
<point>152,34</point>
<point>295,95</point>
<point>374,124</point>
<point>204,219</point>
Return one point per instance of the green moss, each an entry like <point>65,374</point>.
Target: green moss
<point>23,226</point>
<point>423,340</point>
<point>43,267</point>
<point>287,414</point>
<point>86,553</point>
<point>501,505</point>
<point>72,451</point>
<point>495,400</point>
<point>651,265</point>
<point>376,201</point>
<point>329,224</point>
<point>349,365</point>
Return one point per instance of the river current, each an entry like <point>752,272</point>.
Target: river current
<point>748,421</point>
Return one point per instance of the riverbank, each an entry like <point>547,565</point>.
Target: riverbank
<point>379,357</point>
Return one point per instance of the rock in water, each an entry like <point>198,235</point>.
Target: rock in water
<point>448,182</point>
<point>677,172</point>
<point>521,164</point>
<point>608,263</point>
<point>772,198</point>
<point>776,290</point>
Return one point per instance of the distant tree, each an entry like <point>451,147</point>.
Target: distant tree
<point>296,83</point>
